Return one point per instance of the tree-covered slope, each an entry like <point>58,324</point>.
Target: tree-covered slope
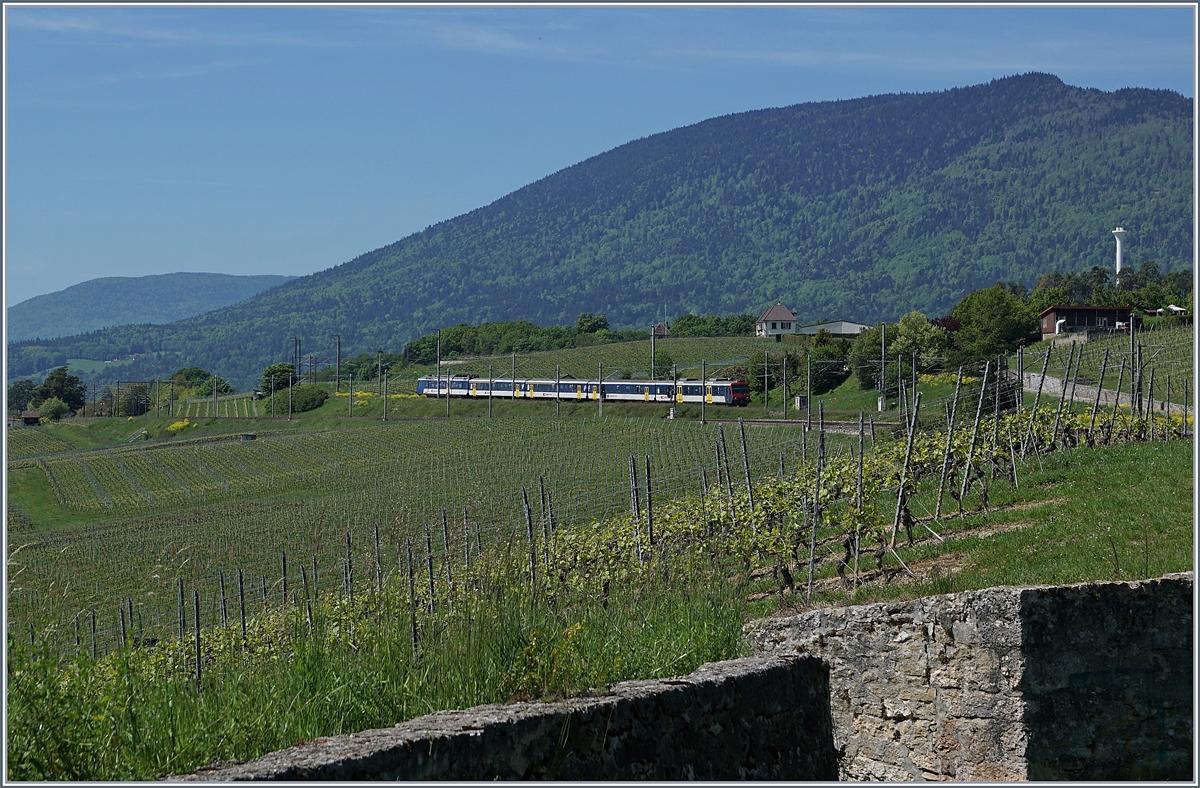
<point>121,300</point>
<point>859,210</point>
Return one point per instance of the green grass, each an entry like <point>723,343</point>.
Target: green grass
<point>1114,513</point>
<point>124,719</point>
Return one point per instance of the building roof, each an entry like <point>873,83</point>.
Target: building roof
<point>1050,309</point>
<point>834,327</point>
<point>777,312</point>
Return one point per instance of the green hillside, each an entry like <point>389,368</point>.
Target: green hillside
<point>122,300</point>
<point>859,210</point>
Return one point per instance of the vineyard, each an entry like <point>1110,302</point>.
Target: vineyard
<point>447,562</point>
<point>358,581</point>
<point>30,443</point>
<point>227,505</point>
<point>1165,352</point>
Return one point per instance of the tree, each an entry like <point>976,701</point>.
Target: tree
<point>1146,274</point>
<point>918,335</point>
<point>303,398</point>
<point>689,325</point>
<point>19,394</point>
<point>1046,297</point>
<point>278,376</point>
<point>53,409</point>
<point>864,353</point>
<point>994,321</point>
<point>205,389</point>
<point>590,324</point>
<point>828,367</point>
<point>664,365</point>
<point>64,386</point>
<point>191,377</point>
<point>135,400</point>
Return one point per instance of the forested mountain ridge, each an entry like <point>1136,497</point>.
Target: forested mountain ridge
<point>861,209</point>
<point>121,300</point>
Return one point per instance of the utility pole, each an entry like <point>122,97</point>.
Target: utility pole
<point>808,390</point>
<point>438,390</point>
<point>785,387</point>
<point>337,374</point>
<point>883,359</point>
<point>703,388</point>
<point>652,353</point>
<point>600,388</point>
<point>766,385</point>
<point>379,372</point>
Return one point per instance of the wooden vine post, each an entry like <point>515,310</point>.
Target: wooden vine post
<point>974,435</point>
<point>1036,399</point>
<point>937,512</point>
<point>746,466</point>
<point>912,429</point>
<point>1099,388</point>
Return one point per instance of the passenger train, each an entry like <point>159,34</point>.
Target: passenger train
<point>715,391</point>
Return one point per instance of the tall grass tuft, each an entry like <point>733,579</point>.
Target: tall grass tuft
<point>137,714</point>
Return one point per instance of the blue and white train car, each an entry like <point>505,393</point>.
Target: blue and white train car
<point>714,391</point>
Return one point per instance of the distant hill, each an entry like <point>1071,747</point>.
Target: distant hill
<point>121,300</point>
<point>859,210</point>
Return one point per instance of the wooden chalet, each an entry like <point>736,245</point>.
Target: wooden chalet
<point>1057,320</point>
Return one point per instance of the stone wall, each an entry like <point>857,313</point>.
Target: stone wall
<point>1084,682</point>
<point>762,718</point>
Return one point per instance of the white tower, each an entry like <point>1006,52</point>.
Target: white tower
<point>1119,234</point>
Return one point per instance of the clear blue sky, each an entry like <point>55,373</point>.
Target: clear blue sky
<point>288,140</point>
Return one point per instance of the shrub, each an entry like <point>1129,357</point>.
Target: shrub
<point>304,398</point>
<point>53,409</point>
